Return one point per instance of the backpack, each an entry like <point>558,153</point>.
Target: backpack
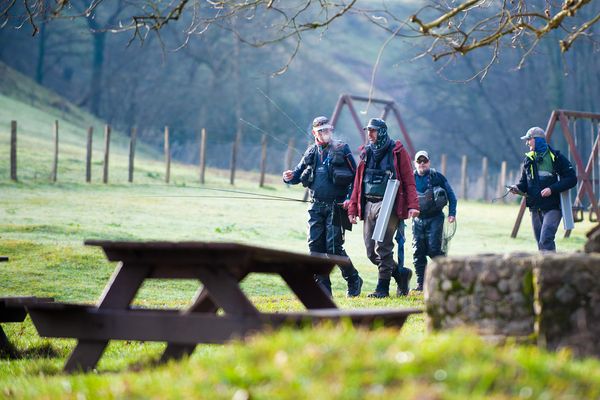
<point>435,197</point>
<point>339,170</point>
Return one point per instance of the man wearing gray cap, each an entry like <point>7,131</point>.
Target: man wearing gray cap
<point>434,192</point>
<point>327,169</point>
<point>540,183</point>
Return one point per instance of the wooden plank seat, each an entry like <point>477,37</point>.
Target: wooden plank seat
<point>174,326</point>
<point>12,309</point>
<point>220,310</point>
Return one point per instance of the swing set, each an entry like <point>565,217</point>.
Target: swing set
<point>580,142</point>
<point>388,105</point>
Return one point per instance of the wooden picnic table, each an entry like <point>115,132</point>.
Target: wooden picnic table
<point>220,267</point>
<point>12,309</point>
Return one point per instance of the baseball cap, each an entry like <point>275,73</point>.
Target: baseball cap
<point>321,123</point>
<point>421,153</point>
<point>534,132</point>
<point>375,123</point>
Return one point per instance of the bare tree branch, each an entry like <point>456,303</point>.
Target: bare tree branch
<point>445,29</point>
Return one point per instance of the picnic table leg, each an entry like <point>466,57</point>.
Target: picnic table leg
<point>225,291</point>
<point>118,294</point>
<point>308,291</point>
<point>226,294</point>
<point>202,304</point>
<point>6,348</point>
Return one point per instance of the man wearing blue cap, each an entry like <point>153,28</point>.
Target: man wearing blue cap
<point>540,183</point>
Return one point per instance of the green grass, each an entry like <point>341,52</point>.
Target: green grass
<point>43,226</point>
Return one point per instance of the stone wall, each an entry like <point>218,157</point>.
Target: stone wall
<point>567,302</point>
<point>493,293</point>
<point>593,243</point>
<point>553,299</point>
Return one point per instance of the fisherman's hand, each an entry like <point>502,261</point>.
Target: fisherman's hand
<point>352,219</point>
<point>451,218</point>
<point>288,175</point>
<point>346,204</point>
<point>412,213</point>
<point>513,189</point>
<point>546,192</point>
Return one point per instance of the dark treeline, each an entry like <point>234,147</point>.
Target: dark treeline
<point>214,81</point>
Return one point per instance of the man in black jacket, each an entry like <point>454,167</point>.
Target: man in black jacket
<point>327,169</point>
<point>545,174</point>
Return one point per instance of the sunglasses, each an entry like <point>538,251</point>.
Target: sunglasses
<point>422,161</point>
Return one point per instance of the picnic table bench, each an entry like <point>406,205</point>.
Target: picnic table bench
<point>12,309</point>
<point>220,267</point>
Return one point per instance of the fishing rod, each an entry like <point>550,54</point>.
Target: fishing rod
<point>253,194</point>
<point>508,191</point>
<point>230,197</point>
<point>268,134</point>
<point>284,113</point>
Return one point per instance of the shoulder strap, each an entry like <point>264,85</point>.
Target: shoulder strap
<point>390,160</point>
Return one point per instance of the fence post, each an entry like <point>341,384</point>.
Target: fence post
<point>464,177</point>
<point>132,143</point>
<point>443,162</point>
<point>167,155</point>
<point>106,152</point>
<point>13,150</point>
<point>502,180</point>
<point>234,149</point>
<point>263,160</point>
<point>55,162</point>
<point>88,155</point>
<point>288,155</point>
<point>202,154</point>
<point>484,177</point>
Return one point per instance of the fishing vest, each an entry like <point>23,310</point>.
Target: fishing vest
<point>338,168</point>
<point>541,168</point>
<point>376,175</point>
<point>435,198</point>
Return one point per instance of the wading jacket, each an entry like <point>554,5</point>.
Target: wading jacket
<point>406,198</point>
<point>533,181</point>
<point>322,187</point>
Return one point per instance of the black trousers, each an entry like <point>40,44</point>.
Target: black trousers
<point>326,235</point>
<point>427,242</point>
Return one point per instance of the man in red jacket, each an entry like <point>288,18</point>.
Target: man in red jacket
<point>380,160</point>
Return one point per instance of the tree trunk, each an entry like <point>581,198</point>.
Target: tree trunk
<point>97,69</point>
<point>39,69</point>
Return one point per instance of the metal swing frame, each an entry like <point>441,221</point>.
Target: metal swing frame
<point>389,105</point>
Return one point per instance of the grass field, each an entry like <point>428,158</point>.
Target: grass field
<point>43,226</point>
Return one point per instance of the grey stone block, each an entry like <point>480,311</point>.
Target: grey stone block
<point>568,302</point>
<point>492,293</point>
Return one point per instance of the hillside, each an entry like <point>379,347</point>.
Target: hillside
<point>35,109</point>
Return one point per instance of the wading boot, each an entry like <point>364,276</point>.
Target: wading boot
<point>382,290</point>
<point>354,286</point>
<point>402,277</point>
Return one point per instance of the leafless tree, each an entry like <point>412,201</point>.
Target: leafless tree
<point>446,28</point>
